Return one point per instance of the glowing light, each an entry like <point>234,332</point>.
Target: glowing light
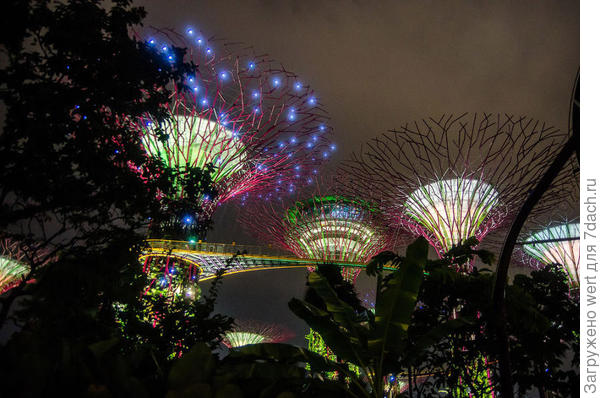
<point>151,42</point>
<point>312,101</point>
<point>333,228</point>
<point>190,31</point>
<point>251,65</point>
<point>452,210</point>
<point>250,332</point>
<point>11,272</point>
<point>322,127</point>
<point>276,82</point>
<point>223,75</point>
<point>564,252</point>
<point>199,41</point>
<point>298,86</point>
<point>195,142</point>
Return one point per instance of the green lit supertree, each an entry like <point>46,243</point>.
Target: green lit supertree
<point>321,223</point>
<point>239,124</point>
<point>555,243</point>
<point>455,177</point>
<point>13,264</point>
<point>324,224</point>
<point>254,332</point>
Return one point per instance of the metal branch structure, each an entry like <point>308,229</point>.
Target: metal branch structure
<point>253,332</point>
<point>256,123</point>
<point>13,264</point>
<point>322,224</point>
<point>456,176</point>
<point>556,243</point>
<point>254,126</point>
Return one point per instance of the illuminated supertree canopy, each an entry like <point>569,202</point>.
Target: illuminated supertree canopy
<point>253,332</point>
<point>455,177</point>
<point>556,243</point>
<point>258,125</point>
<point>13,264</point>
<point>321,224</point>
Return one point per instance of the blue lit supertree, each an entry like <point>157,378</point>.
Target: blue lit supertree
<point>243,118</point>
<point>241,124</point>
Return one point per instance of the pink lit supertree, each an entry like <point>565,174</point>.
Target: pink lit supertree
<point>324,224</point>
<point>240,124</point>
<point>455,177</point>
<point>253,332</point>
<point>245,120</point>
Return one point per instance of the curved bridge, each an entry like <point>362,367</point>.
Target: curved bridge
<point>210,257</point>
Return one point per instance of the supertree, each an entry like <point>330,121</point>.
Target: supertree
<point>254,332</point>
<point>241,124</point>
<point>455,177</point>
<point>13,264</point>
<point>321,223</point>
<point>555,243</point>
<point>242,119</point>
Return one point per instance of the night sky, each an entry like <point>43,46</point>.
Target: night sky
<point>377,65</point>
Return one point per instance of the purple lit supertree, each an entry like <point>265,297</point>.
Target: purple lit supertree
<point>253,125</point>
<point>254,332</point>
<point>455,177</point>
<point>321,223</point>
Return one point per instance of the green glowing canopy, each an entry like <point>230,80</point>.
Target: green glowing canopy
<point>334,205</point>
<point>184,140</point>
<point>239,339</point>
<point>10,271</point>
<point>559,244</point>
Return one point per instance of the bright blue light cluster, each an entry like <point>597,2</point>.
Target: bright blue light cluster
<point>312,101</point>
<point>292,114</point>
